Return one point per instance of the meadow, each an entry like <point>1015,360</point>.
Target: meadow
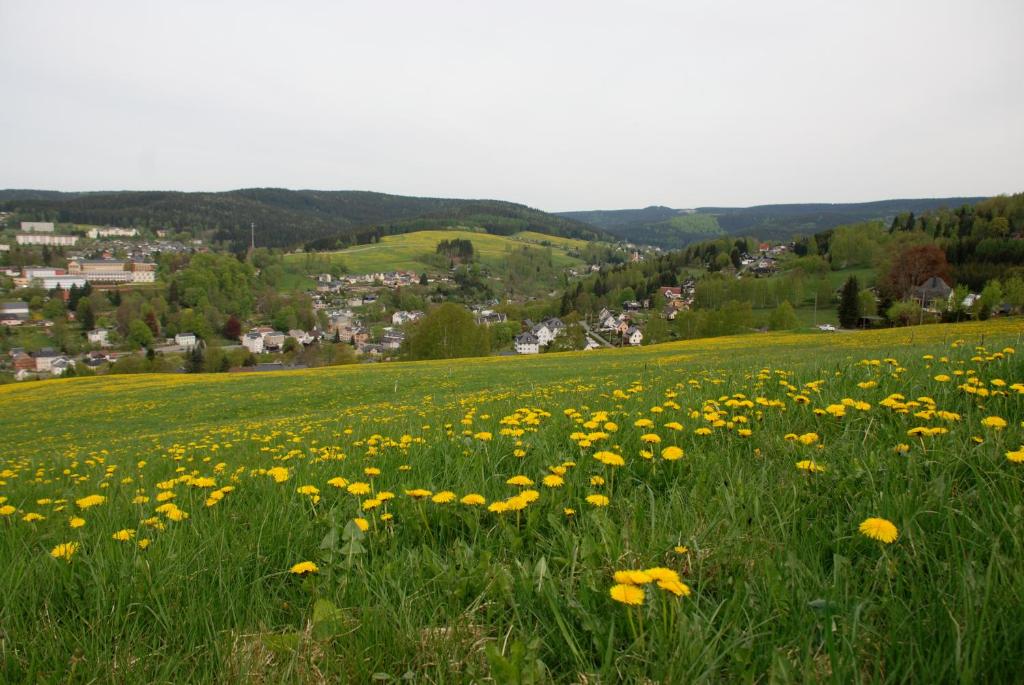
<point>772,508</point>
<point>405,251</point>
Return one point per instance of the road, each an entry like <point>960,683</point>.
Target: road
<point>595,336</point>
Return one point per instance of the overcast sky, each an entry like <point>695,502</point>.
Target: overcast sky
<point>559,105</point>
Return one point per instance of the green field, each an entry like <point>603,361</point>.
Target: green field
<point>153,527</point>
<point>405,251</point>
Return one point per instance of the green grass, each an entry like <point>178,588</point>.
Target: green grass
<point>784,588</point>
<point>865,277</point>
<point>405,251</point>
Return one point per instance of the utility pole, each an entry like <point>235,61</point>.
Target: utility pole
<point>252,236</point>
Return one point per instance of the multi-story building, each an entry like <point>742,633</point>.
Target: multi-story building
<point>113,271</point>
<point>46,239</point>
<point>37,226</point>
<point>112,232</point>
<point>64,282</point>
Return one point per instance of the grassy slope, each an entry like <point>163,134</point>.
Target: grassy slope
<point>403,252</point>
<point>767,543</point>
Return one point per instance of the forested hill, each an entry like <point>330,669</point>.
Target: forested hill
<point>289,218</point>
<point>673,228</point>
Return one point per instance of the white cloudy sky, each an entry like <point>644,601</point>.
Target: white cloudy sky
<point>560,105</point>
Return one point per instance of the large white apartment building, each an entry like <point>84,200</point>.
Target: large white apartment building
<point>45,239</point>
<point>112,232</point>
<point>37,226</point>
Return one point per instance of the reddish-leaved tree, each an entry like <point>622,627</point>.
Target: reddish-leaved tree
<point>914,265</point>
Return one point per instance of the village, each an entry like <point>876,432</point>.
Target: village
<point>349,317</point>
<point>347,309</point>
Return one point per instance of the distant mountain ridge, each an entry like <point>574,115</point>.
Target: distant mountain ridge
<point>672,228</point>
<point>290,218</point>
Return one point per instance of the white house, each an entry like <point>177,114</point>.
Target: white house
<point>45,359</point>
<point>527,343</point>
<point>302,337</point>
<point>556,326</point>
<point>253,342</point>
<point>634,336</point>
<point>15,307</point>
<point>392,339</point>
<point>591,345</point>
<point>402,317</point>
<point>274,340</point>
<point>543,334</point>
<point>61,365</point>
<point>99,336</point>
<point>186,340</point>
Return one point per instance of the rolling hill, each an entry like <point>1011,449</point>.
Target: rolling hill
<point>289,218</point>
<point>672,228</point>
<point>408,250</point>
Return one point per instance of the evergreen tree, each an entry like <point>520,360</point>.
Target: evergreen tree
<point>84,314</point>
<point>849,304</point>
<point>195,359</point>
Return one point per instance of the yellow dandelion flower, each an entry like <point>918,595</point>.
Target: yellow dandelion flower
<point>521,481</point>
<point>672,453</point>
<point>443,497</point>
<point>279,474</point>
<point>627,594</point>
<point>1016,456</point>
<point>808,438</point>
<point>632,577</point>
<point>473,500</point>
<point>662,573</point>
<point>303,568</point>
<point>362,524</point>
<point>64,551</point>
<point>76,522</point>
<point>124,535</point>
<point>553,481</point>
<point>418,493</point>
<point>810,466</point>
<point>879,529</point>
<point>358,488</point>
<point>598,500</point>
<point>676,587</point>
<point>90,501</point>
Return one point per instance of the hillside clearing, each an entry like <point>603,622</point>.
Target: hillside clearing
<point>405,251</point>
